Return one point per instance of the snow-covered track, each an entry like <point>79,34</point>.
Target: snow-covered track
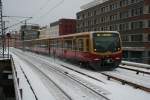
<point>124,81</point>
<point>63,93</point>
<point>137,70</point>
<point>85,74</point>
<point>139,65</point>
<point>55,69</point>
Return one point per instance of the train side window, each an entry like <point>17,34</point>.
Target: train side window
<point>68,44</point>
<point>87,44</point>
<point>80,45</point>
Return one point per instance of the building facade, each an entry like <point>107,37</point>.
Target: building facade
<point>29,32</point>
<point>130,17</point>
<point>44,32</point>
<point>63,27</point>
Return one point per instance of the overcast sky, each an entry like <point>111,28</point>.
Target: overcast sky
<point>42,11</point>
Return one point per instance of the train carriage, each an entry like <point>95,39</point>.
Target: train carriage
<point>100,49</point>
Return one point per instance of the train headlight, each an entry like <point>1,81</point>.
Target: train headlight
<point>117,58</point>
<point>118,49</point>
<point>96,59</point>
<point>94,49</point>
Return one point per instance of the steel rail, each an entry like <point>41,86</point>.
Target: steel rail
<point>136,70</point>
<point>147,89</point>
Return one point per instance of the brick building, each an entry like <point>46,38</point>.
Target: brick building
<point>63,27</point>
<point>130,17</point>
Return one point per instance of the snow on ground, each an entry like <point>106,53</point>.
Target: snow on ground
<point>75,90</point>
<point>114,90</point>
<point>23,84</point>
<point>136,64</point>
<point>40,90</point>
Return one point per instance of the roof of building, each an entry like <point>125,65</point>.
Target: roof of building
<point>92,4</point>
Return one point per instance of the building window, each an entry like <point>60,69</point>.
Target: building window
<point>124,14</point>
<point>137,11</point>
<point>125,38</point>
<point>95,21</point>
<point>148,37</point>
<point>88,14</point>
<point>105,28</point>
<point>136,38</point>
<point>113,27</point>
<point>78,17</point>
<point>112,6</point>
<point>103,9</point>
<point>149,9</point>
<point>89,22</point>
<point>133,1</point>
<point>102,19</point>
<point>124,27</point>
<point>83,16</point>
<point>83,24</point>
<point>136,25</point>
<point>123,3</point>
<point>149,54</point>
<point>107,8</point>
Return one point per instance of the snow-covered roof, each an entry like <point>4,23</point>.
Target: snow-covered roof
<point>92,4</point>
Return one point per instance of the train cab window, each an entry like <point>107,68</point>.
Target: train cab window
<point>80,45</point>
<point>68,44</point>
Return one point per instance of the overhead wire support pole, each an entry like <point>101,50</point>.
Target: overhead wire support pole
<point>2,28</point>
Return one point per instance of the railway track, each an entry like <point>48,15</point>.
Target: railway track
<point>122,80</point>
<point>137,70</point>
<point>85,84</point>
<point>63,94</point>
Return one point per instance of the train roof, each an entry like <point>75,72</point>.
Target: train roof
<point>85,33</point>
<point>77,34</point>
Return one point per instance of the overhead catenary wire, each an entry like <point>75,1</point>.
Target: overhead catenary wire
<point>33,16</point>
<point>45,14</point>
<point>19,22</point>
<point>41,8</point>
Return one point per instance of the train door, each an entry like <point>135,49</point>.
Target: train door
<point>87,45</point>
<point>74,47</point>
<point>80,45</point>
<point>48,44</point>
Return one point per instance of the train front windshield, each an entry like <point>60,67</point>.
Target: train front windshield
<point>106,42</point>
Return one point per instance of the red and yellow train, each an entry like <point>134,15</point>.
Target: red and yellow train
<point>100,49</point>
